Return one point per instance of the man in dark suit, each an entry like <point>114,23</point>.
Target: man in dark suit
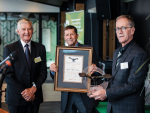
<point>25,77</point>
<point>124,92</point>
<point>72,101</point>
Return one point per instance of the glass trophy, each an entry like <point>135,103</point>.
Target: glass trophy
<point>98,78</point>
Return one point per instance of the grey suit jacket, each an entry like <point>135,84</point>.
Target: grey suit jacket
<point>19,77</point>
<point>124,91</point>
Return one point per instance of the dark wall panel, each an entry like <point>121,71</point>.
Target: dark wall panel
<point>92,33</point>
<point>140,10</point>
<point>90,4</point>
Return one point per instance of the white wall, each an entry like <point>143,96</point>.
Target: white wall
<point>26,6</point>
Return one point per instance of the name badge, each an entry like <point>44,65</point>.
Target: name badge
<point>124,65</point>
<point>37,59</point>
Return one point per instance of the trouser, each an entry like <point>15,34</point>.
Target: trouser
<point>75,103</point>
<point>29,108</point>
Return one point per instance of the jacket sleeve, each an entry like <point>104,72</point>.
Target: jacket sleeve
<point>52,74</point>
<point>10,78</point>
<point>134,82</point>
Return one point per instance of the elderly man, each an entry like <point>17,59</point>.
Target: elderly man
<point>124,89</point>
<point>72,101</point>
<point>25,78</point>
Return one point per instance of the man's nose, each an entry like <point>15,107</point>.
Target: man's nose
<point>120,31</point>
<point>26,31</point>
<point>70,36</point>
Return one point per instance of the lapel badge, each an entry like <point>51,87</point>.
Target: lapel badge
<point>37,59</point>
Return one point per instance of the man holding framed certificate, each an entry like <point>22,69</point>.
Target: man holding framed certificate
<point>73,101</point>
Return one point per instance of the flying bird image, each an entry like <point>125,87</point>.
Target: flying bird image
<point>73,59</point>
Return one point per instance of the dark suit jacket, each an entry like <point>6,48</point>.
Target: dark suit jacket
<point>19,77</point>
<point>88,102</point>
<point>124,92</point>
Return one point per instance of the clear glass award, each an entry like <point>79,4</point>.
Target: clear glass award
<point>97,80</point>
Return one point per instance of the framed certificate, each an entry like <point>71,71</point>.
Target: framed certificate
<point>70,62</point>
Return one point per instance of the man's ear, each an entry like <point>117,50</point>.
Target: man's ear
<point>77,36</point>
<point>17,31</point>
<point>132,30</point>
<point>32,30</point>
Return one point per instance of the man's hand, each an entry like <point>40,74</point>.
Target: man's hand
<point>53,67</point>
<point>99,95</point>
<point>28,94</point>
<point>92,68</point>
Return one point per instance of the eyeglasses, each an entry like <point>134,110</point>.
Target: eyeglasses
<point>122,29</point>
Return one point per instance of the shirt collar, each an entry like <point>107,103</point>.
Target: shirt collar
<point>126,46</point>
<point>77,44</point>
<point>23,43</point>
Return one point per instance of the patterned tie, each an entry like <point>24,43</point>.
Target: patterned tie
<point>27,52</point>
<point>120,55</point>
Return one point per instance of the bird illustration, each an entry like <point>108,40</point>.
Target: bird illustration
<point>73,59</point>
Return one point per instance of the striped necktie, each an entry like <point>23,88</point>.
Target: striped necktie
<point>119,55</point>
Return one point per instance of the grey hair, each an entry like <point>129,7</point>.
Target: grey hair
<point>23,21</point>
<point>128,17</point>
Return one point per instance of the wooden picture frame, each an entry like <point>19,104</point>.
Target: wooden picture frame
<point>71,61</point>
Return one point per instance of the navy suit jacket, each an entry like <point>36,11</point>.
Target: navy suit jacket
<point>124,91</point>
<point>19,77</point>
<point>88,102</point>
